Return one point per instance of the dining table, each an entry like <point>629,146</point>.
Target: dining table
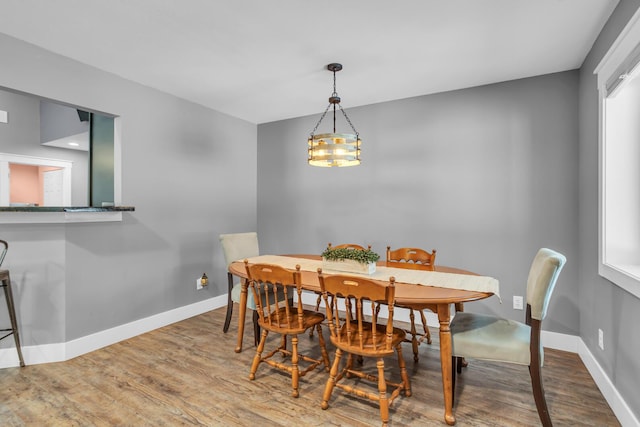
<point>417,296</point>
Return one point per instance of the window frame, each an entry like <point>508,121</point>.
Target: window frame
<point>619,54</point>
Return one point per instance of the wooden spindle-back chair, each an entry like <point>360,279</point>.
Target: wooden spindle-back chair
<point>413,258</point>
<point>284,316</point>
<point>344,245</point>
<point>363,333</point>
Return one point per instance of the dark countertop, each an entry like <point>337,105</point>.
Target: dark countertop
<point>66,209</point>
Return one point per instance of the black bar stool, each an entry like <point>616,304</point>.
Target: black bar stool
<point>6,284</point>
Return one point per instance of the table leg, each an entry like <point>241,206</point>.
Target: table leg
<point>243,312</point>
<point>444,314</point>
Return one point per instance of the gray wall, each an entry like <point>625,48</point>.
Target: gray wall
<point>189,171</point>
<point>602,304</point>
<point>486,176</point>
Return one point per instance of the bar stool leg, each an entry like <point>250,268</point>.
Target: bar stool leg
<point>6,284</point>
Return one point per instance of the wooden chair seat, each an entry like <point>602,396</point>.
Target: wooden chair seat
<point>371,345</point>
<point>281,322</point>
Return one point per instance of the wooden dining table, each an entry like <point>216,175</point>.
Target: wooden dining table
<point>414,296</point>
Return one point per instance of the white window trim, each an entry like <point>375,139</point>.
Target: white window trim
<point>627,277</point>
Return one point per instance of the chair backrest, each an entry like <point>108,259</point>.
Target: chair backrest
<point>275,282</point>
<point>356,293</point>
<point>412,256</point>
<point>238,246</point>
<point>543,275</point>
<point>348,246</point>
<point>3,250</point>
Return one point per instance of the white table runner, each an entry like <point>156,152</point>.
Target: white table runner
<point>465,282</point>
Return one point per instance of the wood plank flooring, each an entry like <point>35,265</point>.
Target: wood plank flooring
<point>188,374</point>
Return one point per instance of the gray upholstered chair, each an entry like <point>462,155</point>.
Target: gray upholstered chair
<point>237,247</point>
<point>478,336</point>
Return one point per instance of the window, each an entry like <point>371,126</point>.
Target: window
<point>45,129</point>
<point>619,158</point>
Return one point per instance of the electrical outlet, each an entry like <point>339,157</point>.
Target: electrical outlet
<point>517,303</point>
<point>202,281</point>
<point>601,339</point>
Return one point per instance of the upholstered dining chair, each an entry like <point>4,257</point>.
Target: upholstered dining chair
<point>406,258</point>
<point>480,336</point>
<point>352,333</point>
<point>238,246</point>
<point>284,316</point>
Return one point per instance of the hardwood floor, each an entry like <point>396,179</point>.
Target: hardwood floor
<point>188,374</point>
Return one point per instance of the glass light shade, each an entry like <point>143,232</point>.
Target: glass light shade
<point>334,149</point>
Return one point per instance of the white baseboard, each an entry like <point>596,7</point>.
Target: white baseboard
<point>60,352</point>
<point>623,412</point>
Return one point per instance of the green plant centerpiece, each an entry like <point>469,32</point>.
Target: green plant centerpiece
<point>351,260</point>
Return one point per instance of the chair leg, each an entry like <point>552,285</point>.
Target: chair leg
<point>454,361</point>
<point>295,370</point>
<point>258,356</point>
<point>427,333</point>
<point>331,381</point>
<point>414,340</point>
<point>403,372</point>
<point>382,390</point>
<point>12,316</point>
<point>459,309</point>
<point>317,309</point>
<point>323,348</point>
<point>256,328</point>
<point>538,394</point>
<point>227,320</point>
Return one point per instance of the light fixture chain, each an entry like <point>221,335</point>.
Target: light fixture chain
<point>322,117</point>
<point>348,121</point>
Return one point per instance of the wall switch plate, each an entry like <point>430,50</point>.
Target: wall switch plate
<point>601,339</point>
<point>4,117</point>
<point>517,303</point>
<point>199,283</point>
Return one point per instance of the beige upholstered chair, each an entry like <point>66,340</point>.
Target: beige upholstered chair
<point>237,247</point>
<point>491,338</point>
<point>363,334</point>
<point>415,258</point>
<point>284,316</point>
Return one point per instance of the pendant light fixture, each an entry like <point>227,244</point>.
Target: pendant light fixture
<point>334,149</point>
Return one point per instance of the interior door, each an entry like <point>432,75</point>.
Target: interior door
<point>52,187</point>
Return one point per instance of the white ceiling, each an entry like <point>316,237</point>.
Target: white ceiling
<point>265,60</point>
